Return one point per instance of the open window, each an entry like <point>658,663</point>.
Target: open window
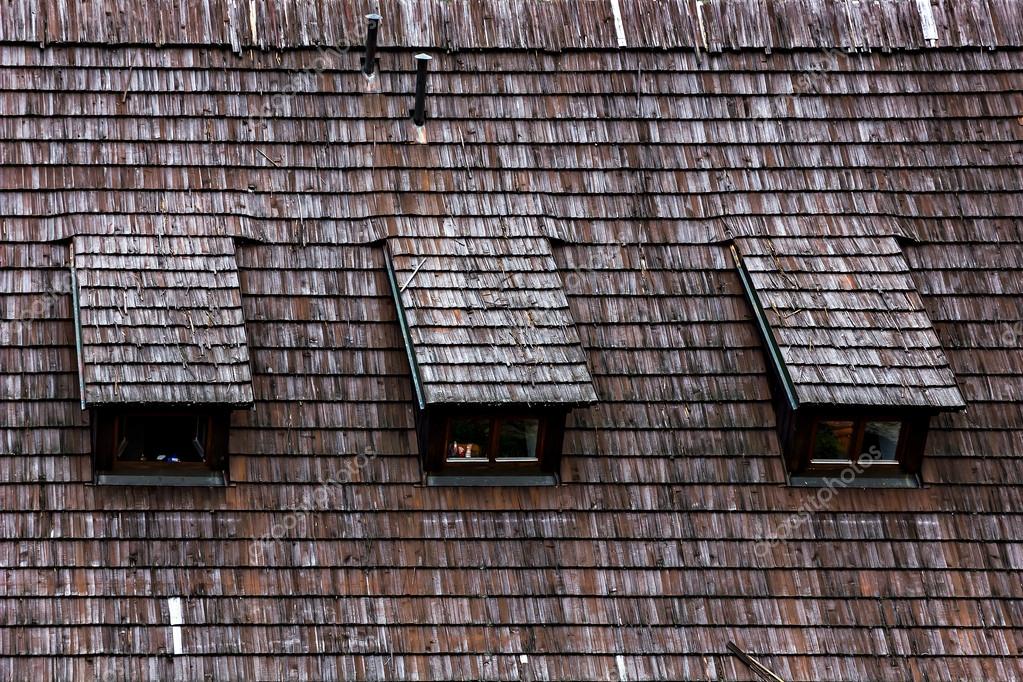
<point>163,355</point>
<point>161,446</point>
<point>491,447</point>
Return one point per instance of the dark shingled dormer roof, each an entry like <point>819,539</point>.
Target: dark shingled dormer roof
<point>161,321</point>
<point>487,322</point>
<point>847,320</point>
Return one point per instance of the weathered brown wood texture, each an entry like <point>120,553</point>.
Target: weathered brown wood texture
<point>640,163</point>
<point>161,320</point>
<point>848,321</point>
<point>488,321</point>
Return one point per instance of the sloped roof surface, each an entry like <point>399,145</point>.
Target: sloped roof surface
<point>511,24</point>
<point>488,322</point>
<point>848,322</point>
<point>161,321</point>
<point>673,531</point>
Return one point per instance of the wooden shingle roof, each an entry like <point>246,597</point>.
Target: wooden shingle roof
<point>673,530</point>
<point>160,321</point>
<point>848,322</point>
<point>488,322</point>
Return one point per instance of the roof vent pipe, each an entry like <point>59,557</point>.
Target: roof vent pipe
<point>419,113</point>
<point>369,60</point>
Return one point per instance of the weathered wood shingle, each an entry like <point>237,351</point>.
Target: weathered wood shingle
<point>488,322</point>
<point>848,321</point>
<point>161,321</point>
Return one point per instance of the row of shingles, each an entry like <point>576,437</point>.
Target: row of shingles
<point>39,417</point>
<point>308,24</point>
<point>972,292</point>
<point>848,320</point>
<point>676,363</point>
<point>161,320</point>
<point>482,610</point>
<point>522,24</point>
<point>83,68</point>
<point>602,183</point>
<point>808,23</point>
<point>348,664</point>
<point>686,551</point>
<point>488,321</point>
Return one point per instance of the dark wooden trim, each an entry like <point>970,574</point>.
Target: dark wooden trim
<point>106,428</point>
<point>433,427</point>
<point>799,440</point>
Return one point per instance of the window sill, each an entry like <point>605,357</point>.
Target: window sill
<point>835,481</point>
<point>525,480</point>
<point>209,479</point>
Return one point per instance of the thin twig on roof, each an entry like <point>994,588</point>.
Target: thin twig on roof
<point>762,671</point>
<point>260,152</point>
<point>127,84</point>
<point>411,277</point>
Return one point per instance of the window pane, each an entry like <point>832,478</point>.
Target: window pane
<point>162,438</point>
<point>880,440</point>
<point>470,440</point>
<point>518,439</point>
<point>833,440</point>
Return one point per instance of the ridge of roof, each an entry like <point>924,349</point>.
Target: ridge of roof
<point>702,25</point>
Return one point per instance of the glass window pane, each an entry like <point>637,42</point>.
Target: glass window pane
<point>833,440</point>
<point>880,441</point>
<point>162,438</point>
<point>469,439</point>
<point>518,439</point>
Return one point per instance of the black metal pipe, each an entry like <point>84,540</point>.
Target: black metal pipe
<point>419,113</point>
<point>370,58</point>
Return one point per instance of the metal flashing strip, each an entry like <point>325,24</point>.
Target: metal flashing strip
<point>438,480</point>
<point>78,327</point>
<point>765,330</point>
<point>403,323</point>
<point>214,479</point>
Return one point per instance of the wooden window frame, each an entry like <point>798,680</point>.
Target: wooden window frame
<point>108,423</point>
<point>909,451</point>
<point>434,430</point>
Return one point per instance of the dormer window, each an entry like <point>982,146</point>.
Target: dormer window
<point>163,356</point>
<point>876,448</point>
<point>856,367</point>
<point>136,446</point>
<point>471,445</point>
<point>495,357</point>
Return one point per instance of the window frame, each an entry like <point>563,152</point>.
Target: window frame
<point>903,471</point>
<point>434,429</point>
<point>108,424</point>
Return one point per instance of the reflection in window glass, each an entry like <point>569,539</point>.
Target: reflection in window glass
<point>518,439</point>
<point>880,440</point>
<point>469,440</point>
<point>833,440</point>
<point>162,438</point>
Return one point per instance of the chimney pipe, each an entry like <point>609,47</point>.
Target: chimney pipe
<point>369,60</point>
<point>419,113</point>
